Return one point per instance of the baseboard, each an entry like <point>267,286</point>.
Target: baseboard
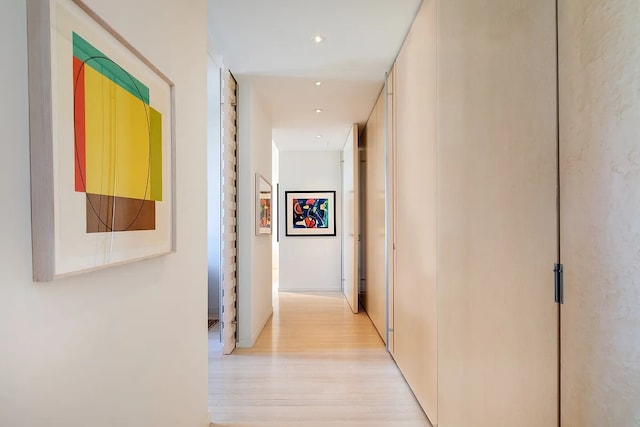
<point>207,421</point>
<point>255,334</point>
<point>316,290</point>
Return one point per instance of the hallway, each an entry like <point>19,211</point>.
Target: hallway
<point>315,364</point>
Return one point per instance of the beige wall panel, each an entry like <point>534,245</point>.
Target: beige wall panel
<point>600,233</point>
<point>415,293</point>
<point>497,242</point>
<point>350,208</point>
<point>390,135</point>
<point>374,213</point>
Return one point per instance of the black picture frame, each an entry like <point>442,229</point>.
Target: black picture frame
<point>319,215</point>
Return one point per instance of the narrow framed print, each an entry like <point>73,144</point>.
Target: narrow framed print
<point>102,145</point>
<point>310,213</point>
<point>263,205</point>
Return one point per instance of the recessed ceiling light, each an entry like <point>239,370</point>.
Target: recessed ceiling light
<point>318,83</point>
<point>318,136</point>
<point>318,38</point>
<point>318,110</point>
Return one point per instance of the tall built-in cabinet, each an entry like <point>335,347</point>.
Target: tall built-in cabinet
<point>373,217</point>
<point>501,160</point>
<point>413,203</point>
<point>497,214</point>
<point>350,215</point>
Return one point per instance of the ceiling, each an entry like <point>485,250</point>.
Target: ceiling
<point>271,42</point>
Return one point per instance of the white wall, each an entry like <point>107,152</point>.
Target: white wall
<point>310,263</point>
<point>213,186</point>
<point>125,346</point>
<point>255,304</point>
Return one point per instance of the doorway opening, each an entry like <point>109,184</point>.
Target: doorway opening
<point>222,172</point>
<point>275,219</point>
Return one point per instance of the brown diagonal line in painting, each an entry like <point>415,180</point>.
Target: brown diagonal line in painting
<point>75,143</point>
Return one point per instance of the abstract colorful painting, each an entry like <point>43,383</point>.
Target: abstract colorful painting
<point>118,143</point>
<point>263,205</point>
<point>102,144</point>
<point>310,213</point>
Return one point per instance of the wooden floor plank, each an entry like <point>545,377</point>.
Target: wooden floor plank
<point>315,364</point>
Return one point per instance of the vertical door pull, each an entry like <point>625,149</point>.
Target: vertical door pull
<point>559,285</point>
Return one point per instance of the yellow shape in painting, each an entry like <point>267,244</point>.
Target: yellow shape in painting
<point>117,139</point>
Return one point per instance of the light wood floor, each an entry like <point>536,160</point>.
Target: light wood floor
<point>315,364</point>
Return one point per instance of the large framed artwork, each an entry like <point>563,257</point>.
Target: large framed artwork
<point>310,213</point>
<point>102,145</point>
<point>263,205</point>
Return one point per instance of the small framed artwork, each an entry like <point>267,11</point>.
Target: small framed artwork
<point>310,213</point>
<point>263,205</point>
<point>102,145</point>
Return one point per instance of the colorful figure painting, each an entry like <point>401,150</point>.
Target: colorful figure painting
<point>263,205</point>
<point>310,213</point>
<point>265,210</point>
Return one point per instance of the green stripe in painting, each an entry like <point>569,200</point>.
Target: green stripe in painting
<point>155,148</point>
<point>83,50</point>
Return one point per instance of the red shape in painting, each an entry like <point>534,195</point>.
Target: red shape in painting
<point>79,125</point>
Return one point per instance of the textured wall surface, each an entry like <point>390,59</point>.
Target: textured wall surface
<point>600,188</point>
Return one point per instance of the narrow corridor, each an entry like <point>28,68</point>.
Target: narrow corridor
<point>315,364</point>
